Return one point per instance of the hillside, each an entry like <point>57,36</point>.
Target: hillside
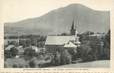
<point>60,20</point>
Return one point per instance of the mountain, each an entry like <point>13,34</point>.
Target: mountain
<point>60,20</point>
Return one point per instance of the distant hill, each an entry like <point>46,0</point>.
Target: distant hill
<point>60,20</point>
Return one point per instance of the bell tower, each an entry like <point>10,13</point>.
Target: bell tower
<point>77,42</point>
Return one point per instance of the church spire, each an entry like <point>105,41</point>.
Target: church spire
<point>72,31</point>
<point>76,32</point>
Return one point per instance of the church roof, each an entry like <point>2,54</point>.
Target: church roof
<point>58,40</point>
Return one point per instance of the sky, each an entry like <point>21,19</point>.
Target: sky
<point>16,10</point>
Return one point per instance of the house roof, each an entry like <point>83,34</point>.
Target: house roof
<point>9,47</point>
<point>70,44</point>
<point>58,40</point>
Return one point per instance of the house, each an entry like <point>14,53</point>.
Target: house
<point>54,43</point>
<point>97,35</point>
<point>20,50</point>
<point>9,47</point>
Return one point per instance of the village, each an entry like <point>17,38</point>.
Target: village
<point>36,51</point>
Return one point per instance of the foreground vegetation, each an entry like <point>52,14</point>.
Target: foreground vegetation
<point>92,48</point>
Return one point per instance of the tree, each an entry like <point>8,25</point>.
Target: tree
<point>32,64</point>
<point>29,53</point>
<point>73,53</point>
<point>13,51</point>
<point>85,53</point>
<point>107,46</point>
<point>88,33</point>
<point>95,44</point>
<point>7,54</point>
<point>56,58</point>
<point>10,53</point>
<point>107,40</point>
<point>64,34</point>
<point>85,36</point>
<point>66,57</point>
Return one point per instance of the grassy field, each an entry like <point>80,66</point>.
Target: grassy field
<point>93,64</point>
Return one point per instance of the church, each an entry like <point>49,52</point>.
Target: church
<point>53,43</point>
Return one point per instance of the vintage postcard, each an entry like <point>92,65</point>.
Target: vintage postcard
<point>56,36</point>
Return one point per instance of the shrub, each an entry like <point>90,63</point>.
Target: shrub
<point>66,57</point>
<point>13,52</point>
<point>31,64</point>
<point>29,53</point>
<point>15,66</point>
<point>85,53</point>
<point>56,58</point>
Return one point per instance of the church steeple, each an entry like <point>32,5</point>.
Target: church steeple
<point>76,32</point>
<point>72,31</point>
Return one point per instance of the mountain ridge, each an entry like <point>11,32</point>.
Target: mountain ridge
<point>61,19</point>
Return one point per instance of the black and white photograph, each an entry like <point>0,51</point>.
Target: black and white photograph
<point>60,34</point>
